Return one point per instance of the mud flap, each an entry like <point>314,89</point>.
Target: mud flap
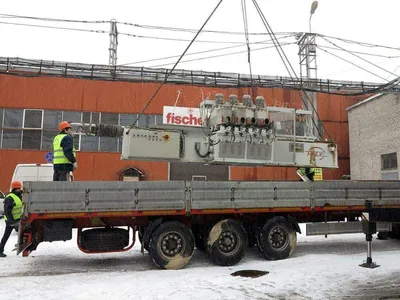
<point>24,242</point>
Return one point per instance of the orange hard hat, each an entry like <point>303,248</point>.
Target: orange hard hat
<point>63,125</point>
<point>16,185</point>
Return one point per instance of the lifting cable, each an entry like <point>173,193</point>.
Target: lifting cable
<point>246,34</point>
<point>173,68</point>
<point>288,65</point>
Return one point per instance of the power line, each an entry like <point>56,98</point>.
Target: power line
<point>120,33</point>
<point>177,39</point>
<point>205,51</point>
<point>220,55</point>
<point>359,43</point>
<point>173,68</point>
<point>360,58</point>
<point>55,27</point>
<point>50,19</point>
<point>326,51</point>
<point>363,53</point>
<point>189,30</point>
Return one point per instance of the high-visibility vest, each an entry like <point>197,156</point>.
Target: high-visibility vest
<point>17,209</point>
<point>303,170</point>
<point>59,156</point>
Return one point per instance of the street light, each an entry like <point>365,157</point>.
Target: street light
<point>314,7</point>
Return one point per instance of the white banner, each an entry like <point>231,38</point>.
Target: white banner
<point>184,116</point>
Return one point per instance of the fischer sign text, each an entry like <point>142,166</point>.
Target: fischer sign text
<point>184,116</point>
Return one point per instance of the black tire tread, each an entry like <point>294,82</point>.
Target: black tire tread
<point>220,258</point>
<point>178,261</point>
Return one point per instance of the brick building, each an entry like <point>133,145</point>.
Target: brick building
<point>34,100</point>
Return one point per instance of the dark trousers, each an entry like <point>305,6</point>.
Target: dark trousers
<point>6,235</point>
<point>61,176</point>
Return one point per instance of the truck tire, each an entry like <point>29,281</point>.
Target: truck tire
<point>227,242</point>
<point>171,245</point>
<point>382,235</point>
<point>277,239</point>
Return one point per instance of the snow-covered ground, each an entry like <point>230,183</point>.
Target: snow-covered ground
<point>320,268</point>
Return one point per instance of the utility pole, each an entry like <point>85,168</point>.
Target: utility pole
<point>112,61</point>
<point>308,69</point>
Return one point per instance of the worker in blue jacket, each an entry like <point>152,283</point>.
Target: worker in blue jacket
<point>12,212</point>
<point>64,160</point>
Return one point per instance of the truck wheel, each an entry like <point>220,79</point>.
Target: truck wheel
<point>276,239</point>
<point>227,242</point>
<point>171,245</point>
<point>382,235</point>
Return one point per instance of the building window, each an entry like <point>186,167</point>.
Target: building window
<point>31,139</point>
<point>108,144</point>
<point>33,118</point>
<point>89,143</point>
<point>72,116</point>
<point>13,118</point>
<point>127,119</point>
<point>35,129</point>
<point>389,167</point>
<point>51,119</point>
<point>47,139</point>
<point>1,117</point>
<point>12,139</point>
<point>143,121</point>
<point>389,161</point>
<point>159,119</point>
<point>109,118</point>
<point>88,117</point>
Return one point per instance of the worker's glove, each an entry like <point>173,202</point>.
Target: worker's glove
<point>75,165</point>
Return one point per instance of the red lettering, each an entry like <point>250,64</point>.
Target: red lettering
<point>177,120</point>
<point>192,120</point>
<point>185,120</point>
<point>169,117</point>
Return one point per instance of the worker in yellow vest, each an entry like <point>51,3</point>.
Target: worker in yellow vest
<point>309,172</point>
<point>12,212</point>
<point>64,161</point>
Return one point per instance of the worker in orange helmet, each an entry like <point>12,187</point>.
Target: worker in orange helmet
<point>64,160</point>
<point>12,213</point>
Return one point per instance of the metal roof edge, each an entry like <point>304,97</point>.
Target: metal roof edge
<point>376,96</point>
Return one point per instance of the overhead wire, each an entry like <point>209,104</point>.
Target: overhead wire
<point>205,51</point>
<point>381,88</point>
<point>195,30</point>
<point>173,68</point>
<point>51,19</point>
<point>375,65</point>
<point>246,34</point>
<point>178,39</point>
<point>288,66</point>
<point>273,38</point>
<point>354,64</point>
<point>363,53</point>
<point>121,33</point>
<point>55,27</point>
<point>219,55</point>
<point>359,43</point>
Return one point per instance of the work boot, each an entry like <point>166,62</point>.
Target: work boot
<point>2,254</point>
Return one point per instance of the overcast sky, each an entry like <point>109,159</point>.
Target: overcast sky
<point>359,20</point>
